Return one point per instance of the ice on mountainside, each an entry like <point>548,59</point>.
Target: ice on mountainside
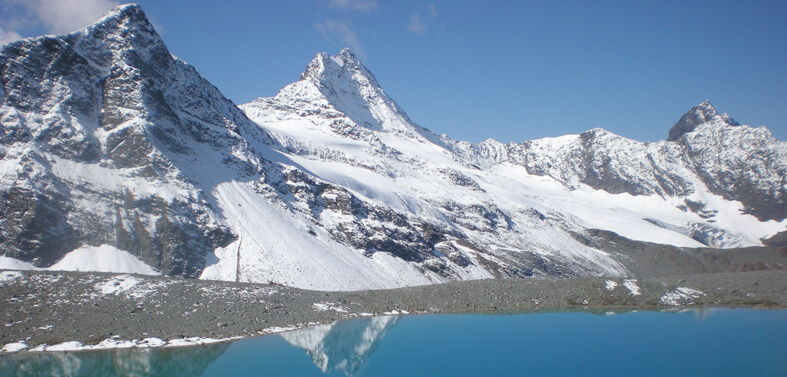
<point>107,139</point>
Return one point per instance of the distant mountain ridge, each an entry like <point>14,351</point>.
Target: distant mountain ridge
<point>107,139</point>
<point>704,148</point>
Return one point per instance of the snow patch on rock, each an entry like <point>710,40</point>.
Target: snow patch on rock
<point>681,295</point>
<point>632,286</point>
<point>8,263</point>
<point>104,258</point>
<point>8,277</point>
<point>325,306</point>
<point>14,347</point>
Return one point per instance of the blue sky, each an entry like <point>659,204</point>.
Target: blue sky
<point>510,71</point>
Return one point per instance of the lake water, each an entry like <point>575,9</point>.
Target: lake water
<point>716,342</point>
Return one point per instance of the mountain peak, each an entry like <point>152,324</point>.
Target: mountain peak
<point>344,66</point>
<point>123,15</point>
<point>345,56</point>
<point>129,27</point>
<point>125,10</point>
<point>700,114</point>
<point>348,85</point>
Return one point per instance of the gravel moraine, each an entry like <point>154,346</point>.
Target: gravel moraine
<point>51,308</point>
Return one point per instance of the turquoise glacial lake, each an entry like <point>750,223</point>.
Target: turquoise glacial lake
<point>712,342</point>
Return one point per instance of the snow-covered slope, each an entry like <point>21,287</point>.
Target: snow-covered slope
<point>110,140</point>
<point>513,209</point>
<point>351,134</point>
<point>706,153</point>
<point>110,144</point>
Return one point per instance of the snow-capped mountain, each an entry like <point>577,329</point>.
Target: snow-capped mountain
<point>342,346</point>
<point>705,152</point>
<point>110,143</point>
<point>99,131</point>
<point>515,209</point>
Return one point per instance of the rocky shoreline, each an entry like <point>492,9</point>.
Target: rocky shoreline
<point>42,309</point>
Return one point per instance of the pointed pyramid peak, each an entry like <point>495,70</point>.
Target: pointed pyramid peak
<point>123,14</point>
<point>702,113</point>
<point>126,10</point>
<point>347,52</point>
<point>346,55</point>
<point>119,21</point>
<point>126,29</point>
<point>706,107</point>
<point>316,67</point>
<point>344,66</point>
<point>352,89</point>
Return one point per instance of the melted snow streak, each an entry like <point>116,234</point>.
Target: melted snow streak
<point>329,184</point>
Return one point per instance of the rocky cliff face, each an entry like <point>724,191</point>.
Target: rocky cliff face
<point>96,128</point>
<point>107,139</point>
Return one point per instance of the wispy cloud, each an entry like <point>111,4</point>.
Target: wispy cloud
<point>418,23</point>
<point>432,10</point>
<point>363,5</point>
<point>332,31</point>
<point>54,16</point>
<point>60,16</point>
<point>8,36</point>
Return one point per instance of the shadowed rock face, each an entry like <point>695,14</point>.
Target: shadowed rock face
<point>87,118</point>
<point>35,227</point>
<point>698,115</point>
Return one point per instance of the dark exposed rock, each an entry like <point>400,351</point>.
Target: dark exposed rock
<point>648,260</point>
<point>702,113</point>
<point>34,226</point>
<point>112,77</point>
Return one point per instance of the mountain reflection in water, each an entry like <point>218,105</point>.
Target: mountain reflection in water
<point>141,362</point>
<point>711,342</point>
<point>342,346</point>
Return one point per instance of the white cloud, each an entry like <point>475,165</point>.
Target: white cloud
<point>332,30</point>
<point>433,10</point>
<point>54,16</point>
<point>417,24</point>
<point>61,16</point>
<point>364,5</point>
<point>8,36</point>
